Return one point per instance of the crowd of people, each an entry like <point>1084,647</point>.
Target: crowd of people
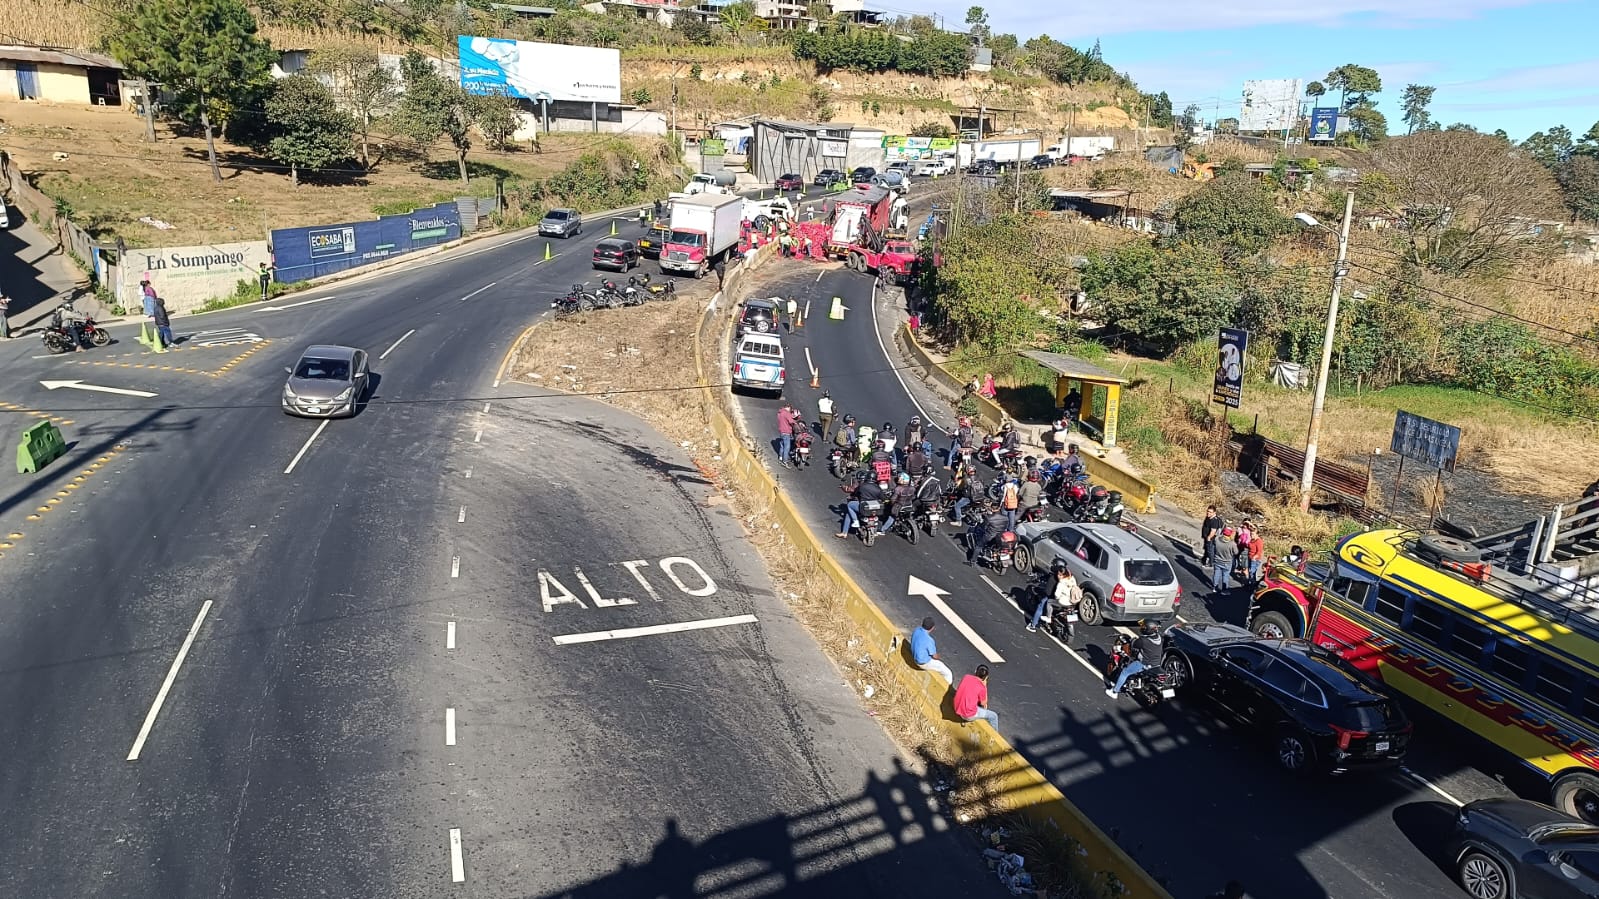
<point>1237,553</point>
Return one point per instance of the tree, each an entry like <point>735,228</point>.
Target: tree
<point>1315,90</point>
<point>977,24</point>
<point>204,51</point>
<point>1354,84</point>
<point>1166,296</point>
<point>1366,123</point>
<point>1232,214</point>
<point>1414,103</point>
<point>1183,131</point>
<point>434,107</point>
<point>1579,183</point>
<point>1464,200</point>
<point>932,129</point>
<point>361,85</point>
<point>1550,148</point>
<point>308,129</point>
<point>1159,109</point>
<point>497,116</point>
<point>740,18</point>
<point>694,30</point>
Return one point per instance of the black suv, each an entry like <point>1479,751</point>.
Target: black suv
<point>983,167</point>
<point>861,174</point>
<point>827,176</point>
<point>1319,711</point>
<point>614,252</point>
<point>653,240</point>
<point>1041,161</point>
<point>759,315</point>
<point>1515,849</point>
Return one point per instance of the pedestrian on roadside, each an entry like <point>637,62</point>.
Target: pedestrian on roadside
<point>657,209</point>
<point>924,652</point>
<point>1246,533</point>
<point>5,323</point>
<point>643,218</point>
<point>147,296</point>
<point>1222,557</point>
<point>793,312</point>
<point>1209,530</point>
<point>1257,555</point>
<point>721,273</point>
<point>785,434</point>
<point>971,698</point>
<point>824,411</point>
<point>163,323</point>
<point>265,278</point>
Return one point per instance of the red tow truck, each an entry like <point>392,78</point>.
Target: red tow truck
<point>893,261</point>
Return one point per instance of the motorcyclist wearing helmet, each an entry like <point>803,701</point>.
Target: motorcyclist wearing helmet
<point>1073,463</point>
<point>902,503</point>
<point>1010,439</point>
<point>1031,493</point>
<point>983,533</point>
<point>916,461</point>
<point>915,432</point>
<point>888,437</point>
<point>1097,505</point>
<point>865,489</point>
<point>1064,594</point>
<point>882,462</point>
<point>1149,651</point>
<point>929,492</point>
<point>969,490</point>
<point>846,435</point>
<point>961,437</point>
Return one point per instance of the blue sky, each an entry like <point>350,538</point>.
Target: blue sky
<point>1520,65</point>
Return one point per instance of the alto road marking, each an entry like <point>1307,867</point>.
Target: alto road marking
<point>396,344</point>
<point>308,441</point>
<point>449,727</point>
<point>631,632</point>
<point>449,635</point>
<point>478,291</point>
<point>166,685</point>
<point>457,864</point>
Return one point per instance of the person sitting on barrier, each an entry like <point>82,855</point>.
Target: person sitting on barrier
<point>865,489</point>
<point>901,504</point>
<point>924,652</point>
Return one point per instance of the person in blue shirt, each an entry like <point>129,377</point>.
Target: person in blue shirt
<point>925,652</point>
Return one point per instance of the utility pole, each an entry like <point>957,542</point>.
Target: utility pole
<point>1016,200</point>
<point>1340,269</point>
<point>149,110</point>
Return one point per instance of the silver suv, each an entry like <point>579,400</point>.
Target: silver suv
<point>562,223</point>
<point>1123,576</point>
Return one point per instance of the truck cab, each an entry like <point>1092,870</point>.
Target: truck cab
<point>709,183</point>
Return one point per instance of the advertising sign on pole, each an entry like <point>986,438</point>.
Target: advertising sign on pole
<point>1269,104</point>
<point>1324,123</point>
<point>1425,440</point>
<point>713,146</point>
<point>1229,387</point>
<point>491,65</point>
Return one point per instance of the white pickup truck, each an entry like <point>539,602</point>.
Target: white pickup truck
<point>934,167</point>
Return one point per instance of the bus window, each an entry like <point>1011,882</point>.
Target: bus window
<point>1554,684</point>
<point>1467,639</point>
<point>1426,621</point>
<point>1509,661</point>
<point>1390,603</point>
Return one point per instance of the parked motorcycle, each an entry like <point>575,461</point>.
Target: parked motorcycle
<point>575,300</point>
<point>655,289</point>
<point>58,338</point>
<point>799,455</point>
<point>622,296</point>
<point>1150,686</point>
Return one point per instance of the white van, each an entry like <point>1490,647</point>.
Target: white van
<point>758,362</point>
<point>5,217</point>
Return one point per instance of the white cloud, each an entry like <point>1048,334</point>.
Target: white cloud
<point>1575,101</point>
<point>1093,19</point>
<point>1565,76</point>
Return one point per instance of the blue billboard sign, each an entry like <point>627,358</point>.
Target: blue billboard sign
<point>302,253</point>
<point>1232,347</point>
<point>1323,123</point>
<point>534,71</point>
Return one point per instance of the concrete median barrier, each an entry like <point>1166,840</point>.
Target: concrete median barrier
<point>41,444</point>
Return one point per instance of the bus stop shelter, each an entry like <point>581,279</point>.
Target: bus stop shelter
<point>1100,392</point>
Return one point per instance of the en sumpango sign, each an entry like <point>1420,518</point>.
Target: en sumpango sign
<point>188,277</point>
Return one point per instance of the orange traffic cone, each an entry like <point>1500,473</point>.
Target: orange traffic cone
<point>816,379</point>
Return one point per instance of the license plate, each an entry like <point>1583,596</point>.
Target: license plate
<point>1071,617</point>
<point>1167,693</point>
<point>1149,602</point>
<point>1381,746</point>
<point>313,408</point>
<point>934,516</point>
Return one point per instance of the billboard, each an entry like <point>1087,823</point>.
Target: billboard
<point>1323,123</point>
<point>309,252</point>
<point>189,277</point>
<point>1269,105</point>
<point>1425,440</point>
<point>532,71</point>
<point>1229,387</point>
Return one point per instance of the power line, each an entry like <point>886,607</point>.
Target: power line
<point>1489,309</point>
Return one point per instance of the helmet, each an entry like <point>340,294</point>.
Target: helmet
<point>1007,427</point>
<point>1099,492</point>
<point>877,444</point>
<point>1059,566</point>
<point>904,478</point>
<point>888,427</point>
<point>916,420</point>
<point>849,419</point>
<point>827,393</point>
<point>1115,497</point>
<point>1148,628</point>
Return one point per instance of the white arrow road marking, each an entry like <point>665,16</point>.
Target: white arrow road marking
<point>79,385</point>
<point>933,595</point>
<point>293,305</point>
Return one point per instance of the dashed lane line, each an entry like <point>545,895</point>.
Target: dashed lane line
<point>457,862</point>
<point>166,685</point>
<point>13,407</point>
<point>64,493</point>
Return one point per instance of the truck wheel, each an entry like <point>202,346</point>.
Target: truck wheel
<point>699,272</point>
<point>1272,626</point>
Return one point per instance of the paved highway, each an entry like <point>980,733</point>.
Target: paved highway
<point>1195,802</point>
<point>474,641</point>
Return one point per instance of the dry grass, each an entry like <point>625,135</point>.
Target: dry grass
<point>111,177</point>
<point>50,23</point>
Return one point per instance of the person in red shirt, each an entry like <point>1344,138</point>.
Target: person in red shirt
<point>971,698</point>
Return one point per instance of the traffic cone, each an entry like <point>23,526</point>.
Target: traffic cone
<point>816,378</point>
<point>144,333</point>
<point>156,346</point>
<point>837,312</point>
<point>613,227</point>
<point>546,251</point>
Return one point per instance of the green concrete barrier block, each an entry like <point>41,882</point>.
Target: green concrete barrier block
<point>41,444</point>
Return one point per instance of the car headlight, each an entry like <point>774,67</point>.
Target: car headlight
<point>344,394</point>
<point>288,392</point>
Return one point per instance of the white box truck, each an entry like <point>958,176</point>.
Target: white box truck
<point>1091,147</point>
<point>704,228</point>
<point>1001,152</point>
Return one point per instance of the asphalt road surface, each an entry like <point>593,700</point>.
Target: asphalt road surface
<point>1196,802</point>
<point>474,641</point>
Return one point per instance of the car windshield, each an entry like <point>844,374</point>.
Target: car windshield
<point>1374,716</point>
<point>1148,572</point>
<point>688,238</point>
<point>323,369</point>
<point>556,214</point>
<point>789,177</point>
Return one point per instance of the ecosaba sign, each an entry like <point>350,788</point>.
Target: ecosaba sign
<point>309,252</point>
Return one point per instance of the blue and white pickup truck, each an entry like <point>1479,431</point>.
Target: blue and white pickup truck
<point>758,362</point>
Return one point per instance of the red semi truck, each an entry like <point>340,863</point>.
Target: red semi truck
<point>860,216</point>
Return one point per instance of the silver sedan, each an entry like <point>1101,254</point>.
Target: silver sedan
<point>327,382</point>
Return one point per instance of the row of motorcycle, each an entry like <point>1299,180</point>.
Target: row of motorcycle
<point>610,295</point>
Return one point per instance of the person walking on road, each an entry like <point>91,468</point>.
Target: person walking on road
<point>785,434</point>
<point>924,652</point>
<point>971,698</point>
<point>1257,556</point>
<point>792,307</point>
<point>824,411</point>
<point>5,323</point>
<point>163,323</point>
<point>1222,556</point>
<point>1209,531</point>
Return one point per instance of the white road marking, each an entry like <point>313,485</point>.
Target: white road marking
<point>807,315</point>
<point>809,362</point>
<point>542,261</point>
<point>457,864</point>
<point>396,344</point>
<point>449,635</point>
<point>478,437</point>
<point>469,472</point>
<point>630,632</point>
<point>819,277</point>
<point>449,727</point>
<point>485,408</point>
<point>895,369</point>
<point>1069,651</point>
<point>478,291</point>
<point>1429,785</point>
<point>79,385</point>
<point>308,441</point>
<point>294,305</point>
<point>633,567</point>
<point>935,597</point>
<point>455,566</point>
<point>166,685</point>
<point>461,518</point>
